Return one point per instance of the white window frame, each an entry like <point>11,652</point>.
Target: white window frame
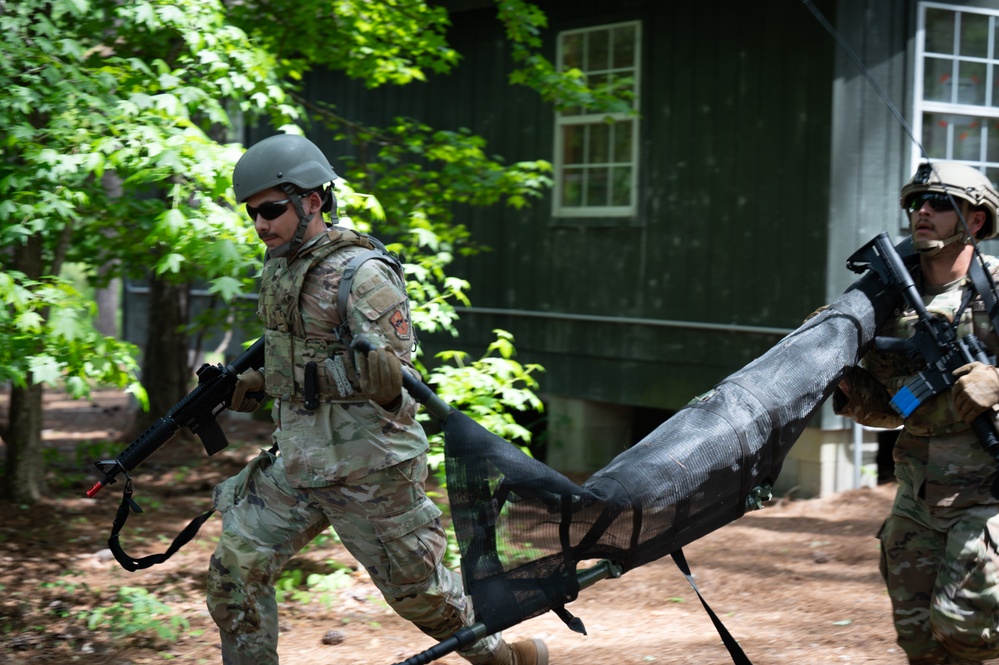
<point>563,119</point>
<point>974,111</point>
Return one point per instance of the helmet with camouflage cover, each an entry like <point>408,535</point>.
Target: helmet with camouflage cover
<point>961,181</point>
<point>291,163</point>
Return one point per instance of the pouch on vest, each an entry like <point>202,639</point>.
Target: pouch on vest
<point>286,357</point>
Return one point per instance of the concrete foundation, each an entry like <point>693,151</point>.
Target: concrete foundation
<point>584,436</point>
<point>821,462</point>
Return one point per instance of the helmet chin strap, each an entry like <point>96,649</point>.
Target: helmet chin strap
<point>290,248</point>
<point>934,247</point>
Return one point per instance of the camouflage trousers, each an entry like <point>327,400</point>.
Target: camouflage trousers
<point>941,568</point>
<point>385,520</point>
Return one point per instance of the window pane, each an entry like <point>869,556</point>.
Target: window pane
<point>937,78</point>
<point>953,136</point>
<point>598,187</point>
<point>622,141</point>
<point>599,143</point>
<point>935,135</point>
<point>572,187</point>
<point>939,31</point>
<point>967,138</point>
<point>992,174</point>
<point>572,52</point>
<point>623,40</point>
<point>621,193</point>
<point>599,50</point>
<point>974,35</point>
<point>992,146</point>
<point>624,84</point>
<point>597,80</point>
<point>971,83</point>
<point>573,140</point>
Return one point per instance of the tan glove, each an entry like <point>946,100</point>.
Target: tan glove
<point>976,391</point>
<point>380,374</point>
<point>250,381</point>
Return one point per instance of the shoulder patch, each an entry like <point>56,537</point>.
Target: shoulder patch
<point>400,323</point>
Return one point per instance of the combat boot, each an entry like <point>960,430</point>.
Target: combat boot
<point>525,652</point>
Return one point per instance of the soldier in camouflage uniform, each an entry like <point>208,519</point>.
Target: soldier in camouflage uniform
<point>349,452</point>
<point>939,544</point>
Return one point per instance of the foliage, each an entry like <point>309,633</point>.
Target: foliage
<point>99,88</point>
<point>133,611</point>
<point>487,388</point>
<point>136,610</point>
<point>524,22</point>
<point>388,42</point>
<point>108,157</point>
<point>61,345</point>
<point>294,585</point>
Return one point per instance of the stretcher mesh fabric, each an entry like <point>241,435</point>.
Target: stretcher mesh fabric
<point>523,528</point>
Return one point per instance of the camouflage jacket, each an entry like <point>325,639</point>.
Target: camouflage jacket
<point>936,453</point>
<point>347,436</point>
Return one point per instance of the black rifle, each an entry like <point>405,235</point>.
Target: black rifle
<point>934,339</point>
<point>197,411</point>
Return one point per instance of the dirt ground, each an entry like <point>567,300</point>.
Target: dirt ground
<point>796,582</point>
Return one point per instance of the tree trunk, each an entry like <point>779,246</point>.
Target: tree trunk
<point>108,304</point>
<point>166,371</point>
<point>24,474</point>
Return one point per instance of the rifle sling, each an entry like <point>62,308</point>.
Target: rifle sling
<point>983,286</point>
<point>130,564</point>
<point>735,651</point>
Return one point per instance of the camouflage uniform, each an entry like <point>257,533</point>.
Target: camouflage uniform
<point>939,545</point>
<point>349,463</point>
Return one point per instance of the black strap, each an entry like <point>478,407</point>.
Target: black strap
<point>130,564</point>
<point>773,413</point>
<point>734,650</point>
<point>740,434</point>
<point>343,290</point>
<point>985,288</point>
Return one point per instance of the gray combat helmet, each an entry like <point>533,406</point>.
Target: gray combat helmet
<point>280,161</point>
<point>292,163</point>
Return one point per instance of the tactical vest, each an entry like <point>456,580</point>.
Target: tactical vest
<point>308,369</point>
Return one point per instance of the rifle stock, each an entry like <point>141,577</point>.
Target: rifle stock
<point>197,411</point>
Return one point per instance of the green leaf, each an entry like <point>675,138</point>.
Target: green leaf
<point>45,369</point>
<point>171,263</point>
<point>227,287</point>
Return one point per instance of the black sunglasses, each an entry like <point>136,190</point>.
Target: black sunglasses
<point>269,210</point>
<point>938,201</point>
